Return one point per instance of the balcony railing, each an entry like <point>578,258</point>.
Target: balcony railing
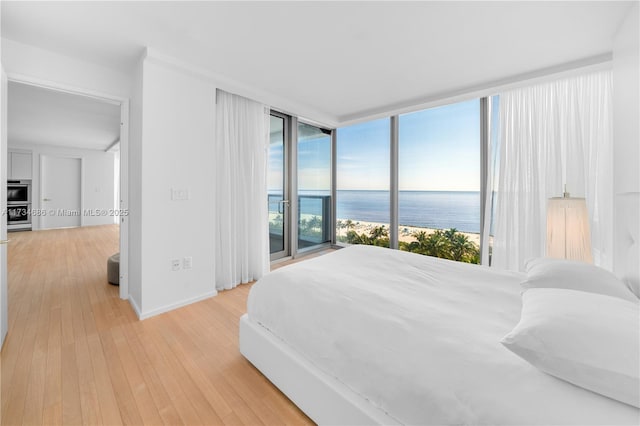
<point>314,218</point>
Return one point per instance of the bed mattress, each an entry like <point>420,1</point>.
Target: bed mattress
<point>419,338</point>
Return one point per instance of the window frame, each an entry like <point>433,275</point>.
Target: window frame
<point>484,159</point>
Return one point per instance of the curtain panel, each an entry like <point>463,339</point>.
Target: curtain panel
<point>241,219</point>
<point>551,134</point>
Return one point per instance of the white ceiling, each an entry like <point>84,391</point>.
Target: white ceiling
<point>345,60</point>
<point>47,117</point>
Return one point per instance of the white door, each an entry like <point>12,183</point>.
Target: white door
<point>4,312</point>
<point>60,192</point>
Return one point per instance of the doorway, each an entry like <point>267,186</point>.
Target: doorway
<point>299,186</point>
<point>60,187</point>
<point>82,183</point>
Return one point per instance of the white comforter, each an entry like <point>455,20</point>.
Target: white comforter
<point>419,338</point>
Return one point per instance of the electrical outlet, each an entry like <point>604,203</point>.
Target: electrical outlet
<point>175,264</point>
<point>187,262</point>
<point>179,194</point>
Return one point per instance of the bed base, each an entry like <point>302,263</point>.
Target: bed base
<point>321,397</point>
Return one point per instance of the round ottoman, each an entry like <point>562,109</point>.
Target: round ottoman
<point>113,269</point>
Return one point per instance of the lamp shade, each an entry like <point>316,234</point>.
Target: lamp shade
<point>568,235</point>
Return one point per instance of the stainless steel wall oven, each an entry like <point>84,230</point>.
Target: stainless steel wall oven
<point>18,205</point>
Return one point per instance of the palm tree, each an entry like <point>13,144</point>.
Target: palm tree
<point>420,236</point>
<point>450,234</point>
<point>315,222</point>
<point>354,238</point>
<point>446,244</point>
<point>378,236</point>
<point>419,245</point>
<point>349,224</point>
<point>339,226</point>
<point>460,246</point>
<point>378,232</point>
<point>438,245</point>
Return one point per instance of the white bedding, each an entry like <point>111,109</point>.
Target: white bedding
<point>420,338</point>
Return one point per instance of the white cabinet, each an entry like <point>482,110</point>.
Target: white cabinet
<point>19,165</point>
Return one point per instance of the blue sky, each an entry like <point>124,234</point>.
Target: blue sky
<point>314,164</point>
<point>439,151</point>
<point>314,159</point>
<point>363,156</point>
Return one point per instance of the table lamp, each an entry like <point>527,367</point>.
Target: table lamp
<point>568,235</point>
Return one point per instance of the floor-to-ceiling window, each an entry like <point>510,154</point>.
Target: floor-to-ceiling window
<point>314,186</point>
<point>439,181</point>
<point>436,154</point>
<point>362,196</point>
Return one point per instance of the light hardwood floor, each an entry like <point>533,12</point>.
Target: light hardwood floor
<point>76,354</point>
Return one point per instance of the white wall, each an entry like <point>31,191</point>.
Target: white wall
<point>176,143</point>
<point>626,135</point>
<point>23,60</point>
<point>135,189</point>
<point>97,179</point>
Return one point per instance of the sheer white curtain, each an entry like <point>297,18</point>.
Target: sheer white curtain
<point>551,134</point>
<point>241,220</point>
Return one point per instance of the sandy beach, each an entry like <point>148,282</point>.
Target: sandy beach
<point>405,233</point>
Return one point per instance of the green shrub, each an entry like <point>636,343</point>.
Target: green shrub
<point>446,244</point>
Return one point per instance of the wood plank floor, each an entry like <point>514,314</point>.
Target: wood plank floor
<point>76,354</point>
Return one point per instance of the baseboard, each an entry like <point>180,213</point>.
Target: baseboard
<point>171,307</point>
<point>135,306</point>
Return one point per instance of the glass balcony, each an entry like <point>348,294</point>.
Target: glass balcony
<point>314,220</point>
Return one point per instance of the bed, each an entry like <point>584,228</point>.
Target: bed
<point>367,335</point>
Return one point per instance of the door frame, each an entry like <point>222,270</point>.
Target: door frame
<point>4,293</point>
<point>123,102</point>
<point>292,250</point>
<point>41,186</point>
<point>286,189</point>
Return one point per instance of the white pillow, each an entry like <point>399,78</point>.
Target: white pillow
<point>587,339</point>
<point>545,272</point>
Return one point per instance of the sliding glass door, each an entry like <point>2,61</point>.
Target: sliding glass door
<point>314,186</point>
<point>299,186</point>
<point>277,185</point>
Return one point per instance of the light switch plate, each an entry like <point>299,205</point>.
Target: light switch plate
<point>179,194</point>
<point>175,264</point>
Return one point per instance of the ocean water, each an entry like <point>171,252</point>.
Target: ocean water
<point>430,209</point>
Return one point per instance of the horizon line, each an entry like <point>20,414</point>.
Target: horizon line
<point>387,190</point>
